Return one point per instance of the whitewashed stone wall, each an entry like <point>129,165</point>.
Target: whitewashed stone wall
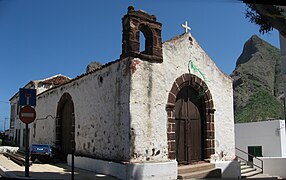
<point>124,117</point>
<point>148,115</point>
<point>101,108</point>
<point>150,85</point>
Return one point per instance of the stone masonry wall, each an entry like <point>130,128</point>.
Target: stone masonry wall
<point>150,86</point>
<point>101,108</point>
<point>120,110</point>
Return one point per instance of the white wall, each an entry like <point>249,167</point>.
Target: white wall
<point>151,83</point>
<point>4,149</point>
<point>123,118</point>
<point>283,138</point>
<point>101,113</point>
<point>274,166</point>
<point>177,55</point>
<point>268,134</point>
<point>229,169</point>
<point>130,171</point>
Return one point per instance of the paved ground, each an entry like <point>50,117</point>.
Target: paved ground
<point>46,171</point>
<point>264,176</point>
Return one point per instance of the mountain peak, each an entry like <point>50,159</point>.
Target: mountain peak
<point>253,45</point>
<point>255,37</point>
<point>257,75</point>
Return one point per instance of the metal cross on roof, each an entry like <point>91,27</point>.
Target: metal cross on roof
<point>186,27</point>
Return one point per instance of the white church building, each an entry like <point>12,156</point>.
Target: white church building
<point>145,114</point>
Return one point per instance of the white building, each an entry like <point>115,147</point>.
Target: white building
<point>265,138</point>
<point>17,127</point>
<point>267,141</point>
<point>141,115</point>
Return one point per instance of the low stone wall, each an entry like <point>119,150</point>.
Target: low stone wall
<point>274,166</point>
<point>4,149</point>
<point>128,170</point>
<point>229,169</point>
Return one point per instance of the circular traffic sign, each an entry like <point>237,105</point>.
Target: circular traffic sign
<point>27,114</point>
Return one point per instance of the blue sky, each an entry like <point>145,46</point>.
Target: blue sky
<point>42,38</point>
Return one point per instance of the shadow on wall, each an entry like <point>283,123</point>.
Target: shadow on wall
<point>274,166</point>
<point>229,169</point>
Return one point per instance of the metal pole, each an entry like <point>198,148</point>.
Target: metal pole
<point>27,153</point>
<point>284,107</point>
<point>72,163</point>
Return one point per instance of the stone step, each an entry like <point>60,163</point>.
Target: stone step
<point>251,173</point>
<point>247,170</point>
<point>245,167</point>
<point>242,163</point>
<point>195,167</point>
<point>211,173</point>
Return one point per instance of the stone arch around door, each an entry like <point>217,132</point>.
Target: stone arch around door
<point>208,114</point>
<point>65,126</point>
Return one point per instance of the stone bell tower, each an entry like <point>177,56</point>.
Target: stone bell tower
<point>135,22</point>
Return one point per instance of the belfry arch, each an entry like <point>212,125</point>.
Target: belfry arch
<point>207,113</point>
<point>148,35</point>
<point>135,22</point>
<point>65,126</point>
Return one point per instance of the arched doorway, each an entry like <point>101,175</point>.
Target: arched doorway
<point>190,120</point>
<point>189,126</point>
<point>65,126</point>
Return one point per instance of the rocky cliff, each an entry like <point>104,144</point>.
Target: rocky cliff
<point>258,86</point>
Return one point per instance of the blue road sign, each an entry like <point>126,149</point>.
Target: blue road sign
<point>27,97</point>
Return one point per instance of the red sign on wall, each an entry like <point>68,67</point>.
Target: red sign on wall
<point>27,114</point>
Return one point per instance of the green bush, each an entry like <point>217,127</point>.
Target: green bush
<point>260,107</point>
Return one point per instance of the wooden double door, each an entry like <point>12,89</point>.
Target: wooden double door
<point>189,135</point>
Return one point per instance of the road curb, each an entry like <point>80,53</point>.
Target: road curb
<point>5,173</point>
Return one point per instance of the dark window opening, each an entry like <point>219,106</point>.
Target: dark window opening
<point>255,151</point>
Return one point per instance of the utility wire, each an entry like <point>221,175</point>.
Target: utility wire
<point>4,102</point>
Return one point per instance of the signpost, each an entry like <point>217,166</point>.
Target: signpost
<point>27,99</point>
<point>27,114</point>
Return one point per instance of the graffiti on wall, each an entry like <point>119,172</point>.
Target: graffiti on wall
<point>193,69</point>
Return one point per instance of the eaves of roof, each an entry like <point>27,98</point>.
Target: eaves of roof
<point>81,76</point>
